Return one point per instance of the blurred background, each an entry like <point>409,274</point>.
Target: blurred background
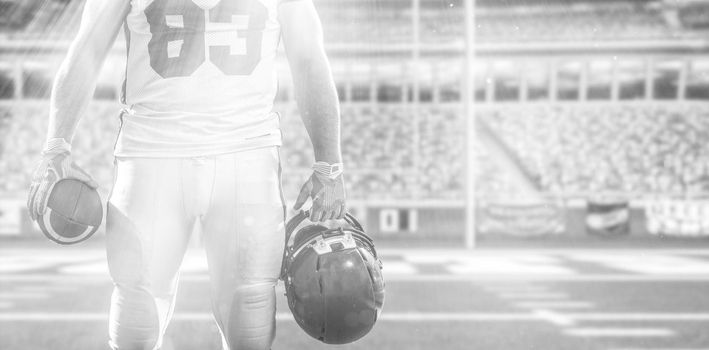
<point>555,200</point>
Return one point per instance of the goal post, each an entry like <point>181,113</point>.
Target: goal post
<point>469,110</point>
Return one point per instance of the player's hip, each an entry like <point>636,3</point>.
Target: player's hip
<point>226,181</point>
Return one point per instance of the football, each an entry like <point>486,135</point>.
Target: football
<point>74,212</point>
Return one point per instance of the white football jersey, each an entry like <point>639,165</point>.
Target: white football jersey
<point>200,77</point>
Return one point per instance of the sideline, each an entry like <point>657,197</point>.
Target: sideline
<point>391,317</point>
<point>198,278</point>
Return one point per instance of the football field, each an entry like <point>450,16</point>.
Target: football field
<point>57,298</point>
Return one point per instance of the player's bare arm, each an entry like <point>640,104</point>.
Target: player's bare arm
<point>317,101</point>
<point>71,93</point>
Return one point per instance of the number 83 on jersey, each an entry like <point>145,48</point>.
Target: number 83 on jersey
<point>186,33</point>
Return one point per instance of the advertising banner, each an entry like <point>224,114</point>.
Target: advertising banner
<point>608,218</point>
<point>678,217</point>
<point>521,219</point>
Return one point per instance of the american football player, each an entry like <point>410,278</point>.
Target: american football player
<point>198,142</point>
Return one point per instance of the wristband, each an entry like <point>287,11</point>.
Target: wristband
<point>331,171</point>
<point>56,146</point>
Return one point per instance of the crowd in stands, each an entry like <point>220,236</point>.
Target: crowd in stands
<point>354,22</point>
<point>398,152</point>
<point>636,148</point>
<point>445,23</point>
<point>378,148</point>
<point>383,158</point>
<point>24,137</point>
<point>606,22</point>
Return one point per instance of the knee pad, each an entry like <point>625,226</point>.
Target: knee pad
<point>247,317</point>
<point>137,319</point>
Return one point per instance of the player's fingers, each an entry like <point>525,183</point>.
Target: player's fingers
<point>43,196</point>
<point>341,211</point>
<point>329,215</point>
<point>30,192</point>
<point>31,199</point>
<point>326,214</point>
<point>37,198</point>
<point>302,196</point>
<point>334,212</point>
<point>316,213</point>
<point>319,206</point>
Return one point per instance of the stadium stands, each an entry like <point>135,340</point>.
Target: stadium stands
<point>629,148</point>
<point>397,151</point>
<point>378,150</point>
<point>565,148</point>
<point>621,21</point>
<point>352,22</point>
<point>25,134</point>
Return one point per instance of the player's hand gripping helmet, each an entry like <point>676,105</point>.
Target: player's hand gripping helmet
<point>333,280</point>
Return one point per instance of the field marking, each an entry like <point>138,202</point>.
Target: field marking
<point>504,267</point>
<point>659,349</point>
<point>282,316</point>
<point>541,251</point>
<point>553,278</point>
<point>639,316</point>
<point>396,317</point>
<point>554,318</point>
<point>619,332</point>
<point>52,252</point>
<point>652,264</point>
<point>560,304</point>
<point>533,296</point>
<point>45,288</point>
<point>24,295</point>
<point>400,268</point>
<point>619,278</point>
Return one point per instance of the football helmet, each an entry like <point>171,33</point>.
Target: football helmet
<point>333,280</point>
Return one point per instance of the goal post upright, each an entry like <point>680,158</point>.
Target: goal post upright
<point>469,110</point>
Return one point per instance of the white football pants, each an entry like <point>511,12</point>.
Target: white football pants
<point>153,206</point>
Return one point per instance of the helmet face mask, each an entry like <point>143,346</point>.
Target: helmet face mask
<point>333,279</point>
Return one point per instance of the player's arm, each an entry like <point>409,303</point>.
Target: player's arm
<point>71,93</point>
<point>75,81</point>
<point>317,101</point>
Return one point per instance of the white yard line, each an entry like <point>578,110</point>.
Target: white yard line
<point>24,295</point>
<point>552,278</point>
<point>619,332</point>
<point>533,296</point>
<point>551,305</point>
<point>515,287</point>
<point>659,349</point>
<point>46,288</point>
<point>615,278</point>
<point>542,251</point>
<point>638,316</point>
<point>399,316</point>
<point>554,318</point>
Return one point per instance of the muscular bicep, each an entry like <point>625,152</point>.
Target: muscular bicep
<point>301,29</point>
<point>100,22</point>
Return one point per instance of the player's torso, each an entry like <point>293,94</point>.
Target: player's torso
<point>196,52</point>
<point>207,64</point>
